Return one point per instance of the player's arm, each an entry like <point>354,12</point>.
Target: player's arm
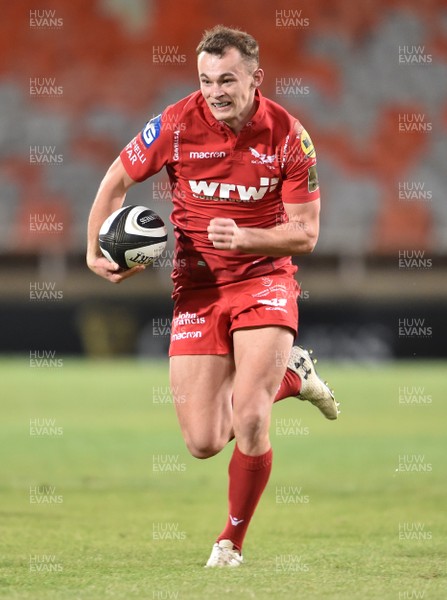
<point>298,236</point>
<point>146,154</point>
<point>111,194</point>
<point>301,198</point>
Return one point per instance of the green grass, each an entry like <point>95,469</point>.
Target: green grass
<point>339,541</point>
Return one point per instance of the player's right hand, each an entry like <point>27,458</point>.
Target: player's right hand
<point>111,271</point>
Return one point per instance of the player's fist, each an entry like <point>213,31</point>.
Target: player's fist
<point>224,234</point>
<point>111,270</point>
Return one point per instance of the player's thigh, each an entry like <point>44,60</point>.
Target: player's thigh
<point>201,386</point>
<point>260,355</point>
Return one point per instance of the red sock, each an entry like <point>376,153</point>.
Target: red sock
<point>290,386</point>
<point>248,477</point>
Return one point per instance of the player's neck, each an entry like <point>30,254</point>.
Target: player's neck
<point>238,123</point>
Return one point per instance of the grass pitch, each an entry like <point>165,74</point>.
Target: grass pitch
<point>99,498</point>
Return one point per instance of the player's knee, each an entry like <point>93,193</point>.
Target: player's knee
<point>251,421</point>
<point>203,449</point>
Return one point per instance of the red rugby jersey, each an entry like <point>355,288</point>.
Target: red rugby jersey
<point>216,173</point>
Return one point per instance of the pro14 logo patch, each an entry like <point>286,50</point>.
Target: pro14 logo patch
<point>151,131</point>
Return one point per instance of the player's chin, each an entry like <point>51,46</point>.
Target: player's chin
<point>221,113</point>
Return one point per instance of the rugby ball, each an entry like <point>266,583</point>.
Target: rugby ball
<point>133,235</point>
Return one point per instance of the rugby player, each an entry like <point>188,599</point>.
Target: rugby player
<point>245,199</point>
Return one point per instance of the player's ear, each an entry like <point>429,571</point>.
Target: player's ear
<point>258,77</point>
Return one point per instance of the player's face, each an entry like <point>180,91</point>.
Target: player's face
<point>228,84</point>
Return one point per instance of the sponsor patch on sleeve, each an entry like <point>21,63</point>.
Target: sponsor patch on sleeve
<point>151,131</point>
<point>312,179</point>
<point>307,145</point>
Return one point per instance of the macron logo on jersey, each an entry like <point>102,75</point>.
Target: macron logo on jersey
<point>151,131</point>
<point>207,154</point>
<point>222,190</point>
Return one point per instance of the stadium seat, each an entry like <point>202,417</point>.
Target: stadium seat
<point>348,56</point>
<point>402,227</point>
<point>43,225</point>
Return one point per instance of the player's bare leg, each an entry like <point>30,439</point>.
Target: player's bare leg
<point>259,372</point>
<point>260,369</point>
<point>202,388</point>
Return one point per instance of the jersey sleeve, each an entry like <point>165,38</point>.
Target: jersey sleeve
<point>150,150</point>
<point>299,168</point>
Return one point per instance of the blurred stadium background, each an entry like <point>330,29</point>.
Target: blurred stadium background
<point>367,79</point>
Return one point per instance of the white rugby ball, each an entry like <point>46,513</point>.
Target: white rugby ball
<point>133,235</point>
